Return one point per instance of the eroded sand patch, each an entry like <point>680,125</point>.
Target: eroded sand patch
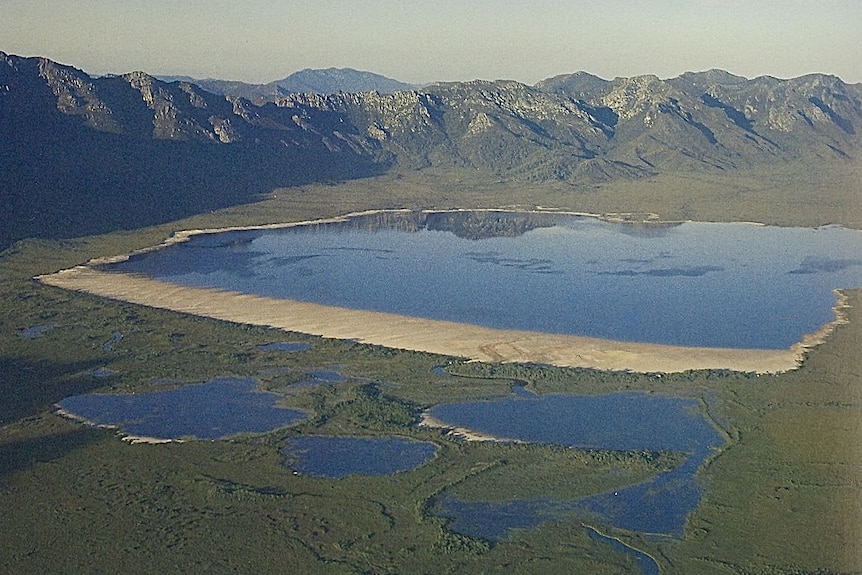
<point>418,334</point>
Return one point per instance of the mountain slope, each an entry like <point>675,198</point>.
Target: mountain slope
<point>716,120</point>
<point>585,130</point>
<point>81,155</point>
<point>334,80</point>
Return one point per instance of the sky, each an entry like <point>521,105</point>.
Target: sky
<point>259,41</point>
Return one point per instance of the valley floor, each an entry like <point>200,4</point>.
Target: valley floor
<point>782,498</point>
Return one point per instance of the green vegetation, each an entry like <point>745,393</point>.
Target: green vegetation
<point>783,497</point>
<point>523,471</point>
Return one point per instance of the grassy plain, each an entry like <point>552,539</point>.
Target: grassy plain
<point>783,498</point>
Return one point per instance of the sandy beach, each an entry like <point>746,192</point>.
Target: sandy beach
<point>434,336</point>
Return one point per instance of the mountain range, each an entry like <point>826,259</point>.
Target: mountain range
<point>82,154</point>
<point>325,81</point>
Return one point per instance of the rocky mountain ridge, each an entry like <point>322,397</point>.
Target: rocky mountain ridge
<point>157,150</point>
<point>583,129</point>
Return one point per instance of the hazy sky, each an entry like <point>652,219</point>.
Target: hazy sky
<point>525,40</point>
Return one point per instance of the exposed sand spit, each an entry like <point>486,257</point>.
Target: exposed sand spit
<point>442,337</point>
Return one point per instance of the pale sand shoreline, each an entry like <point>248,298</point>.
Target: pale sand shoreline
<point>133,439</point>
<point>433,336</point>
<point>460,432</point>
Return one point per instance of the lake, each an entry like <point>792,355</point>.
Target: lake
<point>691,284</point>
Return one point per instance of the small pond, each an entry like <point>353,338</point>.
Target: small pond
<point>35,331</point>
<point>103,372</point>
<point>116,337</point>
<point>316,378</point>
<point>285,346</point>
<point>330,456</point>
<point>220,408</point>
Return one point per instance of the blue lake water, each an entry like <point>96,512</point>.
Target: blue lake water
<point>620,421</point>
<point>219,408</point>
<point>700,284</point>
<point>330,456</point>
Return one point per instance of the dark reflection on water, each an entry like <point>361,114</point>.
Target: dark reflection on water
<point>816,265</point>
<point>219,408</point>
<point>205,253</point>
<point>534,265</point>
<point>330,456</point>
<point>623,421</point>
<point>687,271</point>
<point>696,284</point>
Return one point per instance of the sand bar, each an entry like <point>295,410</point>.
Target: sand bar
<point>462,433</point>
<point>434,336</point>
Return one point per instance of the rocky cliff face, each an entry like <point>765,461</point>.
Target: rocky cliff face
<point>161,150</point>
<point>583,129</point>
<point>717,120</point>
